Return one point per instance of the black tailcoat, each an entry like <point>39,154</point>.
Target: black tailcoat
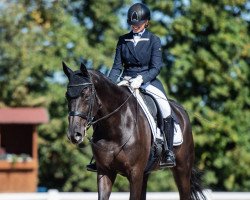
<point>143,59</point>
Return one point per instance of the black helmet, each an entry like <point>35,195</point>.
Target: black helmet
<point>138,14</point>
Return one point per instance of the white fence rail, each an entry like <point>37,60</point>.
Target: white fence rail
<point>55,195</point>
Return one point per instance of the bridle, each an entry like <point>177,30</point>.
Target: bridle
<point>89,115</point>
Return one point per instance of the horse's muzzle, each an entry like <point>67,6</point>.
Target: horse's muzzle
<point>76,137</point>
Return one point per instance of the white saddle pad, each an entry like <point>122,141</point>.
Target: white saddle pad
<point>178,138</point>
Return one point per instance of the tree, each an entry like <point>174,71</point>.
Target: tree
<point>32,50</point>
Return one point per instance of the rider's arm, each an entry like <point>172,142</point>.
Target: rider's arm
<point>155,63</point>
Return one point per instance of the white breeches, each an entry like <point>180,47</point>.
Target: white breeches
<point>160,98</point>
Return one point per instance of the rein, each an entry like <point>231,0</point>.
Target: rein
<point>113,112</point>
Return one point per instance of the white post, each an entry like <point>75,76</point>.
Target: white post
<point>53,194</point>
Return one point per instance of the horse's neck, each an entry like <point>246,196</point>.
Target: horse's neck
<point>112,98</point>
<point>108,93</point>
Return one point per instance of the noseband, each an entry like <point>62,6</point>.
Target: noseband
<point>89,115</point>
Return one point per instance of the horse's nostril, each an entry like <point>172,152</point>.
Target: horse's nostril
<point>78,136</point>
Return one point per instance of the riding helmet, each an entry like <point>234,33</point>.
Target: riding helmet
<point>138,14</point>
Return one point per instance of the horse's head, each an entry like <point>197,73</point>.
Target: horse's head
<point>82,102</point>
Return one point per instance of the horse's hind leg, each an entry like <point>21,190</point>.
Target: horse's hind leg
<point>105,182</point>
<point>182,176</point>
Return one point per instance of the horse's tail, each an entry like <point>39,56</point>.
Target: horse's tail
<point>196,185</point>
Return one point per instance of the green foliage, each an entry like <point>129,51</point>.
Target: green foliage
<point>161,181</point>
<point>207,56</point>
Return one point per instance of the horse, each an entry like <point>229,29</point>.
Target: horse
<point>122,138</point>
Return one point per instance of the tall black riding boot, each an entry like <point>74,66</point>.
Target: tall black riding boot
<point>169,159</point>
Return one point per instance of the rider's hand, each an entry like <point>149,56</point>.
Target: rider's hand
<point>135,83</point>
<point>123,82</point>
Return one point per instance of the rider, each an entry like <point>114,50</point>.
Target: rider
<point>139,57</point>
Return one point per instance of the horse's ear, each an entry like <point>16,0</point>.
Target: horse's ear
<point>66,69</point>
<point>84,70</point>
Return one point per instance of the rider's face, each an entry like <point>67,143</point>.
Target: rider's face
<point>138,28</point>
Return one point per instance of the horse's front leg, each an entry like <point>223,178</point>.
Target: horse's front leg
<point>144,186</point>
<point>136,180</point>
<point>105,182</point>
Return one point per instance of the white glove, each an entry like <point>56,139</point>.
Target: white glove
<point>135,83</point>
<point>123,82</point>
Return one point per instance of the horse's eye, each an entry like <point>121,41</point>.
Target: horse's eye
<point>82,94</point>
<point>87,98</point>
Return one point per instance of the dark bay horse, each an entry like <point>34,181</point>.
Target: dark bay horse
<point>122,136</point>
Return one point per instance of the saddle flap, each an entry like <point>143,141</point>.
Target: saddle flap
<point>153,106</point>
